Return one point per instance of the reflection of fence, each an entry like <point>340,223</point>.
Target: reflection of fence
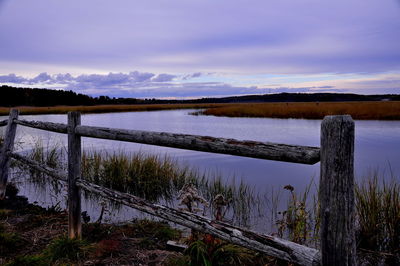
<point>336,190</point>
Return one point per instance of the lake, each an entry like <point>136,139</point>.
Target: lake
<point>377,144</point>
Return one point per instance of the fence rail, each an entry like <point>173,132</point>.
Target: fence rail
<point>48,126</point>
<point>254,149</point>
<point>336,185</point>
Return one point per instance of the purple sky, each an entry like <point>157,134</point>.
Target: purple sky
<point>186,49</point>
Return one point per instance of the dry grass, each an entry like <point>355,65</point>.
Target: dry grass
<point>26,110</point>
<point>382,110</point>
<point>389,110</point>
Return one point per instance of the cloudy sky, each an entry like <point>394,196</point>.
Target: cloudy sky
<point>190,49</point>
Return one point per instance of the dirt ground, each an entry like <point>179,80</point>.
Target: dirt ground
<point>28,233</point>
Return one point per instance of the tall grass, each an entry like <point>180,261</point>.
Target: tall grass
<point>103,108</point>
<point>378,215</point>
<point>157,178</point>
<point>152,177</point>
<point>389,110</point>
<point>147,176</point>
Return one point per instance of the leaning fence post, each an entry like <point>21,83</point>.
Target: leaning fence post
<point>7,148</point>
<point>74,173</point>
<point>336,191</point>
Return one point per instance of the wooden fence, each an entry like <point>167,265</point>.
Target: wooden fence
<point>336,190</point>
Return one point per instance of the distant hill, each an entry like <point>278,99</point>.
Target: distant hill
<point>12,96</point>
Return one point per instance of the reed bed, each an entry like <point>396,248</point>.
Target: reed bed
<point>383,110</point>
<point>144,175</point>
<point>152,177</point>
<point>30,110</point>
<point>160,178</point>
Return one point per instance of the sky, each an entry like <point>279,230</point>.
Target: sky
<point>192,49</point>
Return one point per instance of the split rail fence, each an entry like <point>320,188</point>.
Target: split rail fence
<point>336,189</point>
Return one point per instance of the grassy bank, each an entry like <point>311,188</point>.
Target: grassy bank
<point>30,110</point>
<point>384,110</point>
<point>160,178</point>
<point>31,235</point>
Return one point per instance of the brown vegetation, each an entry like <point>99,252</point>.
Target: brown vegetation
<point>383,110</point>
<point>26,110</point>
<point>31,235</point>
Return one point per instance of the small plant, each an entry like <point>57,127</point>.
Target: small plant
<point>190,198</point>
<point>219,205</point>
<point>211,251</point>
<point>65,248</point>
<point>205,249</point>
<point>297,221</point>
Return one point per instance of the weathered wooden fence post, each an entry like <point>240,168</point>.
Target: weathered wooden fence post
<point>74,173</point>
<point>336,191</point>
<point>7,148</point>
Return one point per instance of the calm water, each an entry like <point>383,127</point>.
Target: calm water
<point>377,143</point>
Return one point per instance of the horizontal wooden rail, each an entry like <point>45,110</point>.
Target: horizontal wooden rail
<point>48,126</point>
<point>3,123</point>
<point>254,149</point>
<point>266,244</point>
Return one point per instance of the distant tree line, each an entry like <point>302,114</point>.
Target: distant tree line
<point>303,97</point>
<point>12,96</point>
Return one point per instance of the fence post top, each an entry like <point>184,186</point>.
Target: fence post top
<point>335,117</point>
<point>73,113</point>
<point>338,119</point>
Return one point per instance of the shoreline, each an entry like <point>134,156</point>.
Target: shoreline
<point>368,110</point>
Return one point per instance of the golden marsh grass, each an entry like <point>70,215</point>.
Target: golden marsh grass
<point>31,110</point>
<point>383,110</point>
